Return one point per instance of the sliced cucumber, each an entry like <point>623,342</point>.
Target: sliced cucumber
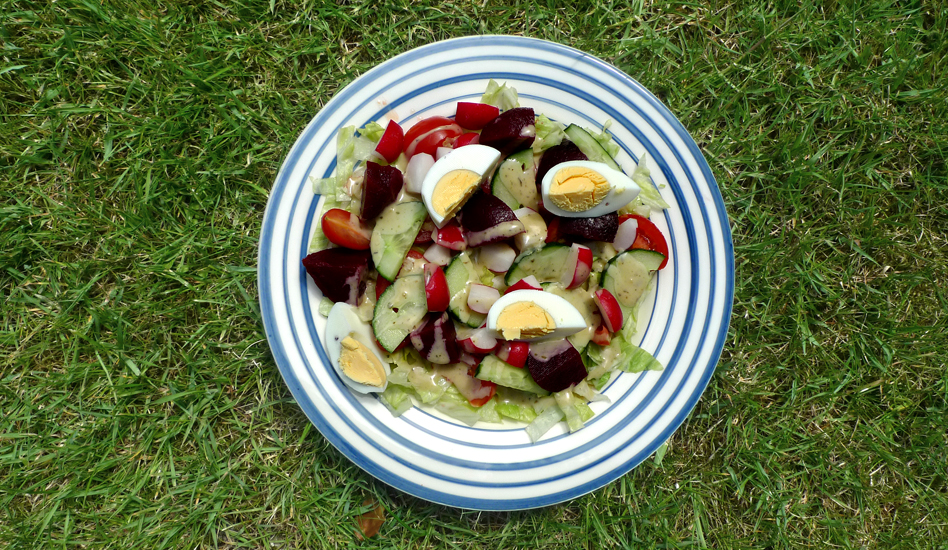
<point>546,264</point>
<point>514,181</point>
<point>494,370</point>
<point>650,259</point>
<point>627,279</point>
<point>583,301</point>
<point>589,146</point>
<point>394,233</point>
<point>399,309</point>
<point>460,274</point>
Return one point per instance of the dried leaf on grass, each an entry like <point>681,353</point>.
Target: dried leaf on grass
<point>371,521</point>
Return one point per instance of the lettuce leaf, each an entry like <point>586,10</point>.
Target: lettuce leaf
<point>549,133</point>
<point>605,139</point>
<point>500,96</point>
<point>649,195</point>
<point>372,131</point>
<point>543,422</point>
<point>397,399</point>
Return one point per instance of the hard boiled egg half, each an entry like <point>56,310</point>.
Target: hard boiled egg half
<point>586,189</point>
<point>454,178</point>
<point>534,315</point>
<point>352,351</point>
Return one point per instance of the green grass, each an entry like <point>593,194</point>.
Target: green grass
<point>142,409</point>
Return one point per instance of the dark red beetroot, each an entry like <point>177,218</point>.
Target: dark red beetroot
<point>339,273</point>
<point>511,131</point>
<point>487,219</point>
<point>437,340</point>
<point>555,365</point>
<point>600,228</point>
<point>564,152</point>
<point>380,188</point>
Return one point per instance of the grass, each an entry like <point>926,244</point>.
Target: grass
<point>141,407</point>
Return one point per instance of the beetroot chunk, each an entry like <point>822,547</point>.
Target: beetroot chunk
<point>487,219</point>
<point>511,131</point>
<point>564,152</point>
<point>339,273</point>
<point>555,365</point>
<point>600,228</point>
<point>436,340</point>
<point>380,188</point>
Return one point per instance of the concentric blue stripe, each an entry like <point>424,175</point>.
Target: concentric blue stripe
<point>460,500</point>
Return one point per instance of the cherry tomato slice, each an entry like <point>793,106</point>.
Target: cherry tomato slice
<point>648,236</point>
<point>345,229</point>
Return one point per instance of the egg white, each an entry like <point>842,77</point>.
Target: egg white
<point>566,317</point>
<point>622,191</point>
<point>342,321</point>
<point>480,159</point>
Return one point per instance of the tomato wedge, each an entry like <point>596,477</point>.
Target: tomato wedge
<point>648,236</point>
<point>344,228</point>
<point>430,133</point>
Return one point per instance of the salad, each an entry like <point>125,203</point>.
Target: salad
<point>488,265</point>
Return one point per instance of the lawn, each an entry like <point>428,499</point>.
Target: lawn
<point>141,407</point>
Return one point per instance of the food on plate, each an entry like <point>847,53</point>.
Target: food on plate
<point>583,188</point>
<point>454,178</point>
<point>534,315</point>
<point>352,351</point>
<point>498,283</point>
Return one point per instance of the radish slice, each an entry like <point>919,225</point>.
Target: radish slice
<point>469,359</point>
<point>529,282</point>
<point>481,297</point>
<point>416,171</point>
<point>442,151</point>
<point>438,254</point>
<point>497,257</point>
<point>479,342</point>
<point>626,234</point>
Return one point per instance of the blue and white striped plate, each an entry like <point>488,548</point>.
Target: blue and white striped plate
<point>683,321</point>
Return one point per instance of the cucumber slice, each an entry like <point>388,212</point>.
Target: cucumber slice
<point>494,370</point>
<point>589,146</point>
<point>394,233</point>
<point>583,301</point>
<point>546,264</point>
<point>627,279</point>
<point>651,259</point>
<point>515,183</point>
<point>460,274</point>
<point>399,309</point>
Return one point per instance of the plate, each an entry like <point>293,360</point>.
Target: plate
<point>683,320</point>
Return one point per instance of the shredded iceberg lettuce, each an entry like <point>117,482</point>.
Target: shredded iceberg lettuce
<point>397,399</point>
<point>649,195</point>
<point>372,131</point>
<point>543,422</point>
<point>500,96</point>
<point>605,139</point>
<point>549,133</point>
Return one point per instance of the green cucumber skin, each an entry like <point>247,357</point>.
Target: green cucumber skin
<point>501,189</point>
<point>649,258</point>
<point>552,254</point>
<point>408,295</point>
<point>494,370</point>
<point>589,146</point>
<point>394,234</point>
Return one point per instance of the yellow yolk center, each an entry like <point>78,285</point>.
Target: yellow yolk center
<point>524,320</point>
<point>360,364</point>
<point>576,189</point>
<point>453,190</point>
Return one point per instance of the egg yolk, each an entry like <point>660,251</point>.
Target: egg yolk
<point>360,364</point>
<point>453,190</point>
<point>577,188</point>
<point>524,320</point>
